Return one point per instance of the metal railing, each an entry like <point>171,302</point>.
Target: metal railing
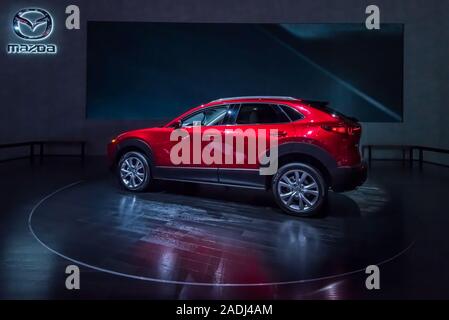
<point>406,149</point>
<point>41,146</point>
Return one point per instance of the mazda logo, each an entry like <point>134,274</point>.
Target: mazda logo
<point>33,24</point>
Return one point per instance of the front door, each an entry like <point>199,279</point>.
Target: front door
<point>192,165</point>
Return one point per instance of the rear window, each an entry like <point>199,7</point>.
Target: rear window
<point>322,106</point>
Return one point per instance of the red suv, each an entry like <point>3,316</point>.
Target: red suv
<point>317,149</point>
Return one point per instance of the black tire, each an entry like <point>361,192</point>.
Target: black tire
<point>285,189</point>
<point>135,166</point>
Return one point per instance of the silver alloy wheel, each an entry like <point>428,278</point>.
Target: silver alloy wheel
<point>132,172</point>
<point>298,190</point>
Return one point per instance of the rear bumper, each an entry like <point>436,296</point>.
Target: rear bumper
<point>349,178</point>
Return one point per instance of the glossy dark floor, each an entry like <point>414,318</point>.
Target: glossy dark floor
<point>190,241</point>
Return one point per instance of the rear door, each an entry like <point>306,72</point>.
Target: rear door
<point>250,123</point>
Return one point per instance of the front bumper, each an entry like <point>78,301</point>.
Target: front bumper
<point>349,178</point>
<point>111,150</point>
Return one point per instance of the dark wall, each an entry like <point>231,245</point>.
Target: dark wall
<point>45,96</point>
<point>161,69</point>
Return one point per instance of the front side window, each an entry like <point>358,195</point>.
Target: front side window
<point>259,113</point>
<point>207,117</point>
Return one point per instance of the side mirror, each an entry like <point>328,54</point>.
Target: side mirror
<point>177,124</point>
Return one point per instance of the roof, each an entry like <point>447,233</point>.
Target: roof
<point>257,98</point>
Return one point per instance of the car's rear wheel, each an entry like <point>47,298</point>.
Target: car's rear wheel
<point>299,189</point>
<point>134,171</point>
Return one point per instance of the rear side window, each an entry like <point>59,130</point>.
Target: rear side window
<point>260,113</point>
<point>292,113</point>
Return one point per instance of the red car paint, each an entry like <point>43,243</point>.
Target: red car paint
<point>318,128</point>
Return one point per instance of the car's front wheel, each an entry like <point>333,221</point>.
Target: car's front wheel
<point>134,171</point>
<point>299,189</point>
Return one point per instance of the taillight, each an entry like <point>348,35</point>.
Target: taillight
<point>354,130</point>
<point>342,129</point>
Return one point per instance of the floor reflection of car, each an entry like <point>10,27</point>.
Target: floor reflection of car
<point>318,149</point>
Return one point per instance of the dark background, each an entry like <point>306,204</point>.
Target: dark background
<point>44,97</point>
<point>156,71</point>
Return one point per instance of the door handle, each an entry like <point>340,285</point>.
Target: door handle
<point>279,134</point>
